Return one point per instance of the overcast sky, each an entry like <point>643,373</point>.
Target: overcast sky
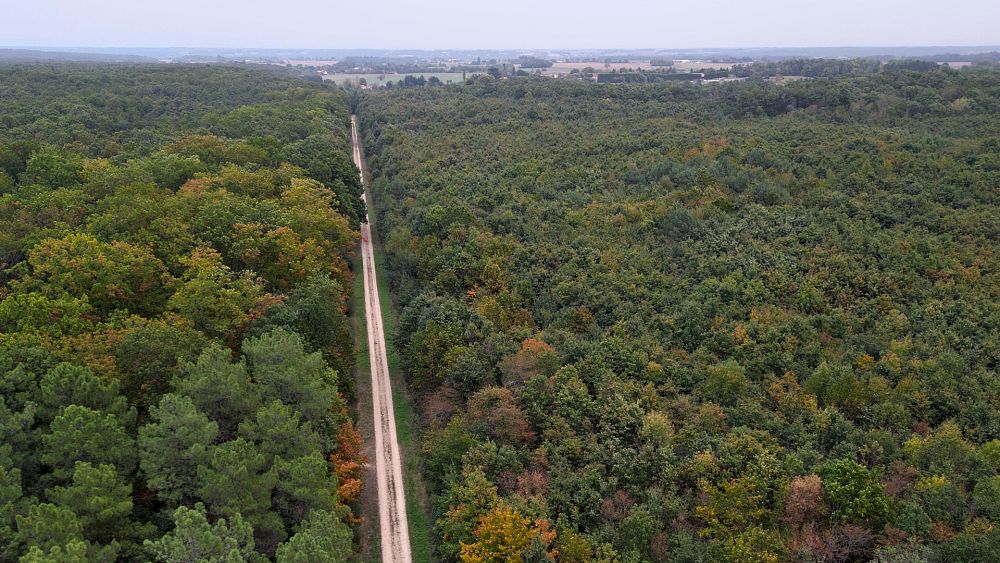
<point>464,24</point>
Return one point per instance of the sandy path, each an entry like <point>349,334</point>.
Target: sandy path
<point>393,526</point>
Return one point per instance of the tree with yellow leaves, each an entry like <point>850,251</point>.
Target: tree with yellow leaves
<point>504,534</point>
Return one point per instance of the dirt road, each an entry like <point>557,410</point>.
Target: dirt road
<point>393,526</point>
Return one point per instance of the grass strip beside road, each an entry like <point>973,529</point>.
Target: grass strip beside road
<point>407,426</point>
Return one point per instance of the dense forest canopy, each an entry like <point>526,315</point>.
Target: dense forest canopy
<point>175,359</point>
<point>737,322</point>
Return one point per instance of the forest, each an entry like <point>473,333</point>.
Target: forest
<point>175,356</point>
<point>677,323</point>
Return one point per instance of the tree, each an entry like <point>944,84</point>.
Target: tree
<point>173,446</point>
<point>34,312</point>
<point>99,498</point>
<point>279,255</point>
<point>309,210</point>
<point>493,412</point>
<point>74,551</point>
<point>239,480</point>
<point>504,535</point>
<point>986,495</point>
<point>305,484</point>
<point>444,448</point>
<point>11,501</point>
<point>321,537</point>
<point>534,357</point>
<point>52,168</point>
<point>279,432</point>
<point>804,501</point>
<point>215,299</point>
<point>468,499</point>
<point>221,389</point>
<point>67,384</point>
<point>149,357</point>
<point>286,372</point>
<point>348,463</point>
<point>194,539</point>
<point>426,357</point>
<point>83,434</point>
<point>315,309</point>
<point>108,276</point>
<point>944,452</point>
<point>46,526</point>
<point>854,495</point>
<point>726,382</point>
<point>18,439</point>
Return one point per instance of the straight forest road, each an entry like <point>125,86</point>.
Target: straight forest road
<point>393,527</point>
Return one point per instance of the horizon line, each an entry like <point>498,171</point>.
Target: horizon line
<point>431,49</point>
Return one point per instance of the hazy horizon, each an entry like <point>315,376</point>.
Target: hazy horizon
<point>514,24</point>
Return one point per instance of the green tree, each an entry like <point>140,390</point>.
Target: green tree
<point>315,310</point>
<point>74,551</point>
<point>195,539</point>
<point>46,525</point>
<point>279,432</point>
<point>52,168</point>
<point>239,480</point>
<point>219,388</point>
<point>173,446</point>
<point>323,536</point>
<point>212,297</point>
<point>67,384</point>
<point>149,357</point>
<point>99,498</point>
<point>305,484</point>
<point>18,439</point>
<point>986,495</point>
<point>853,493</point>
<point>83,434</point>
<point>726,382</point>
<point>11,500</point>
<point>285,371</point>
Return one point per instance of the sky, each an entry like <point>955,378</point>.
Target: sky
<point>497,24</point>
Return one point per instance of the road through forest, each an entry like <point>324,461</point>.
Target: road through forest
<point>393,526</point>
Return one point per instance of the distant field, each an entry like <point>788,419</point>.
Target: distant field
<point>600,66</point>
<point>311,62</point>
<point>698,65</point>
<point>565,68</point>
<point>381,79</point>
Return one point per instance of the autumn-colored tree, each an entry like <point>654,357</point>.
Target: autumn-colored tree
<point>503,535</point>
<point>468,499</point>
<point>534,357</point>
<point>347,462</point>
<point>310,210</point>
<point>804,501</point>
<point>280,255</point>
<point>494,412</point>
<point>109,276</point>
<point>211,296</point>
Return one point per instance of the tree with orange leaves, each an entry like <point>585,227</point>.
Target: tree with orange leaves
<point>347,462</point>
